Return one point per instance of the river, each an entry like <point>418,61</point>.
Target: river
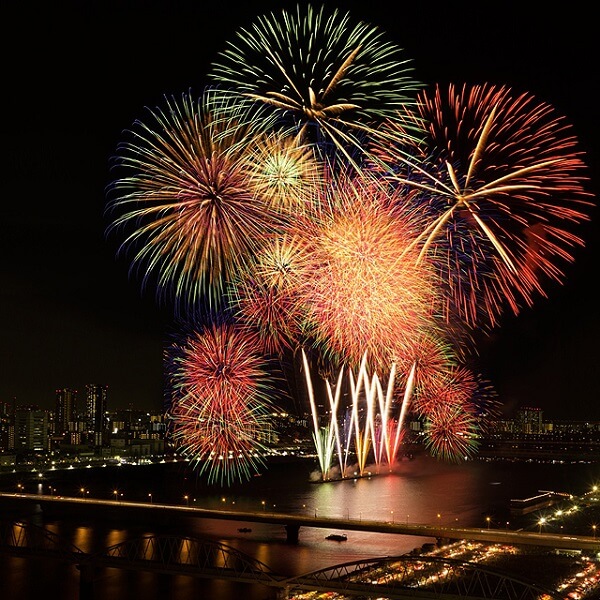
<point>421,490</point>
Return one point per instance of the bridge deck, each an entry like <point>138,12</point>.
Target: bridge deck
<point>293,522</point>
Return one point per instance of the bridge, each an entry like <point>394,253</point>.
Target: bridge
<point>292,522</point>
<point>396,578</point>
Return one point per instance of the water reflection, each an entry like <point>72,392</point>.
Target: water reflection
<point>418,492</point>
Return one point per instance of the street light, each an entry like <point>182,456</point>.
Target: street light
<point>541,522</point>
<point>392,516</point>
<point>187,500</point>
<point>116,493</point>
<point>488,519</point>
<point>150,496</point>
<point>594,529</point>
<point>263,504</point>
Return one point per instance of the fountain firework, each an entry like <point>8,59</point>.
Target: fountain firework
<point>368,430</point>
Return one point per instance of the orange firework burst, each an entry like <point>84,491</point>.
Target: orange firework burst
<point>366,292</point>
<point>220,416</point>
<point>196,218</point>
<point>503,185</point>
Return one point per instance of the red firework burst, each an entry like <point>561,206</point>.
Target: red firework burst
<point>220,417</point>
<point>450,432</point>
<point>503,186</point>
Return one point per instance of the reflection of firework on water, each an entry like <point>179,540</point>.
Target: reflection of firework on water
<point>194,214</point>
<point>451,432</point>
<point>366,293</point>
<point>317,74</point>
<point>265,295</point>
<point>503,181</point>
<point>221,402</point>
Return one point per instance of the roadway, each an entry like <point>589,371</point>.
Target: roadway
<point>293,522</point>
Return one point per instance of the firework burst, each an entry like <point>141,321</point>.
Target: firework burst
<point>194,216</point>
<point>319,75</point>
<point>366,292</point>
<point>283,173</point>
<point>264,295</point>
<point>221,402</point>
<point>451,432</point>
<point>504,186</point>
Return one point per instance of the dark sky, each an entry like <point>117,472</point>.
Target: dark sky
<point>76,74</point>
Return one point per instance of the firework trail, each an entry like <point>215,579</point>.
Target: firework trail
<point>220,416</point>
<point>319,75</point>
<point>371,434</point>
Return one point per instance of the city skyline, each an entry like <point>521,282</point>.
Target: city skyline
<point>71,314</point>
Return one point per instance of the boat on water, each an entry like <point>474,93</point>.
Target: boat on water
<point>337,537</point>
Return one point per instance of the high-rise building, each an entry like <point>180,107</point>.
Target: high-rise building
<point>6,427</point>
<point>97,418</point>
<point>529,420</point>
<point>66,400</point>
<point>31,429</point>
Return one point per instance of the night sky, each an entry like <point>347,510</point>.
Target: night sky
<point>76,74</point>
